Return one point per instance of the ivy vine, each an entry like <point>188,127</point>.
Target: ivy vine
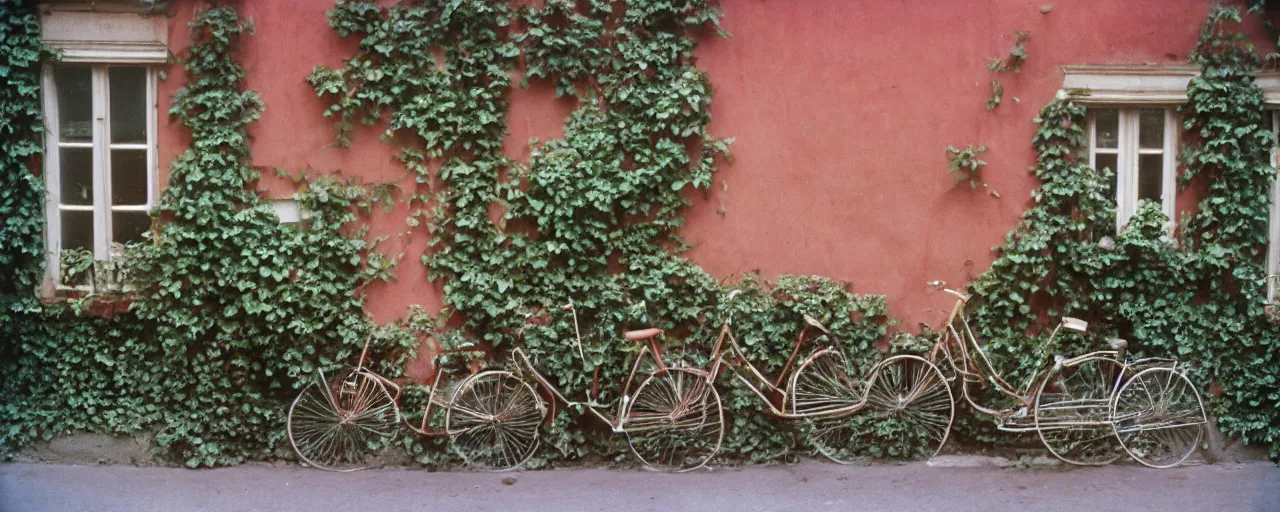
<point>1011,62</point>
<point>965,166</point>
<point>592,217</point>
<point>1198,295</point>
<point>228,310</point>
<point>21,191</point>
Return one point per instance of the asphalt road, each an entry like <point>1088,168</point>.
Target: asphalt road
<point>810,486</point>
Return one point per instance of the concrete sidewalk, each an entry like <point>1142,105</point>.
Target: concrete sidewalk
<point>810,486</point>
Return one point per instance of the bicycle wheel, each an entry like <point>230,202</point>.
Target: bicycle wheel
<point>821,385</point>
<point>340,424</point>
<point>492,420</point>
<point>674,421</point>
<point>1159,417</point>
<point>1073,412</point>
<point>909,406</point>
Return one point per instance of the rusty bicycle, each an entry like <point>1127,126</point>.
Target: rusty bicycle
<point>1089,409</point>
<point>905,389</point>
<point>673,420</point>
<point>341,421</point>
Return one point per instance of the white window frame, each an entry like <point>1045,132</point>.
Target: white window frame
<point>1127,159</point>
<point>101,119</point>
<point>99,36</point>
<point>1273,228</point>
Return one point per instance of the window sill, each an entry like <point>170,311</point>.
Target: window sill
<point>100,305</point>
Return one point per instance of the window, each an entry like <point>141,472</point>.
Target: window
<point>1272,120</point>
<point>1121,138</point>
<point>1133,128</point>
<point>1139,146</point>
<point>99,169</point>
<point>99,107</point>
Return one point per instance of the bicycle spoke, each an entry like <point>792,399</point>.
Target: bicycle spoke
<point>1072,412</point>
<point>493,421</point>
<point>1159,417</point>
<point>338,423</point>
<point>674,421</point>
<point>907,403</point>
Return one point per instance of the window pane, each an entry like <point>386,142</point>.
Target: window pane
<point>77,230</point>
<point>128,177</point>
<point>75,103</point>
<point>1105,161</point>
<point>129,226</point>
<point>128,100</point>
<point>1107,123</point>
<point>1151,128</point>
<point>1150,176</point>
<point>76,175</point>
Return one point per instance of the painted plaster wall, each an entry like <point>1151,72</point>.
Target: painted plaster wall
<point>842,110</point>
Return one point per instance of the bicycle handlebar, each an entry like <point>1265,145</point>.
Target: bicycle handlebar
<point>941,285</point>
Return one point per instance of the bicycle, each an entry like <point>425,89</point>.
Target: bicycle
<point>905,388</point>
<point>337,424</point>
<point>673,421</point>
<point>1088,409</point>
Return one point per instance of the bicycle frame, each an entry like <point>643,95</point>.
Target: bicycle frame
<point>781,403</point>
<point>617,423</point>
<point>984,372</point>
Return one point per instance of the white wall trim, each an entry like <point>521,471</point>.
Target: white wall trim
<point>52,184</point>
<point>111,52</point>
<point>1146,85</point>
<point>1129,85</point>
<point>106,37</point>
<point>1273,225</point>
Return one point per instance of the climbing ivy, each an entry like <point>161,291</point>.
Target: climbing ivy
<point>1011,62</point>
<point>244,308</point>
<point>228,310</point>
<point>21,191</point>
<point>965,165</point>
<point>1228,235</point>
<point>1198,295</point>
<point>1017,55</point>
<point>591,217</point>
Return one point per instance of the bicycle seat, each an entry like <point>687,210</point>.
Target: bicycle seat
<point>1117,344</point>
<point>1075,324</point>
<point>642,334</point>
<point>816,324</point>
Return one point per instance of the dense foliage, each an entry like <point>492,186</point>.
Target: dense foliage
<point>230,309</point>
<point>1201,302</point>
<point>591,217</point>
<point>21,191</point>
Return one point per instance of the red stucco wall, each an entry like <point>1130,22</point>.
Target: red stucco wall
<point>842,110</point>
